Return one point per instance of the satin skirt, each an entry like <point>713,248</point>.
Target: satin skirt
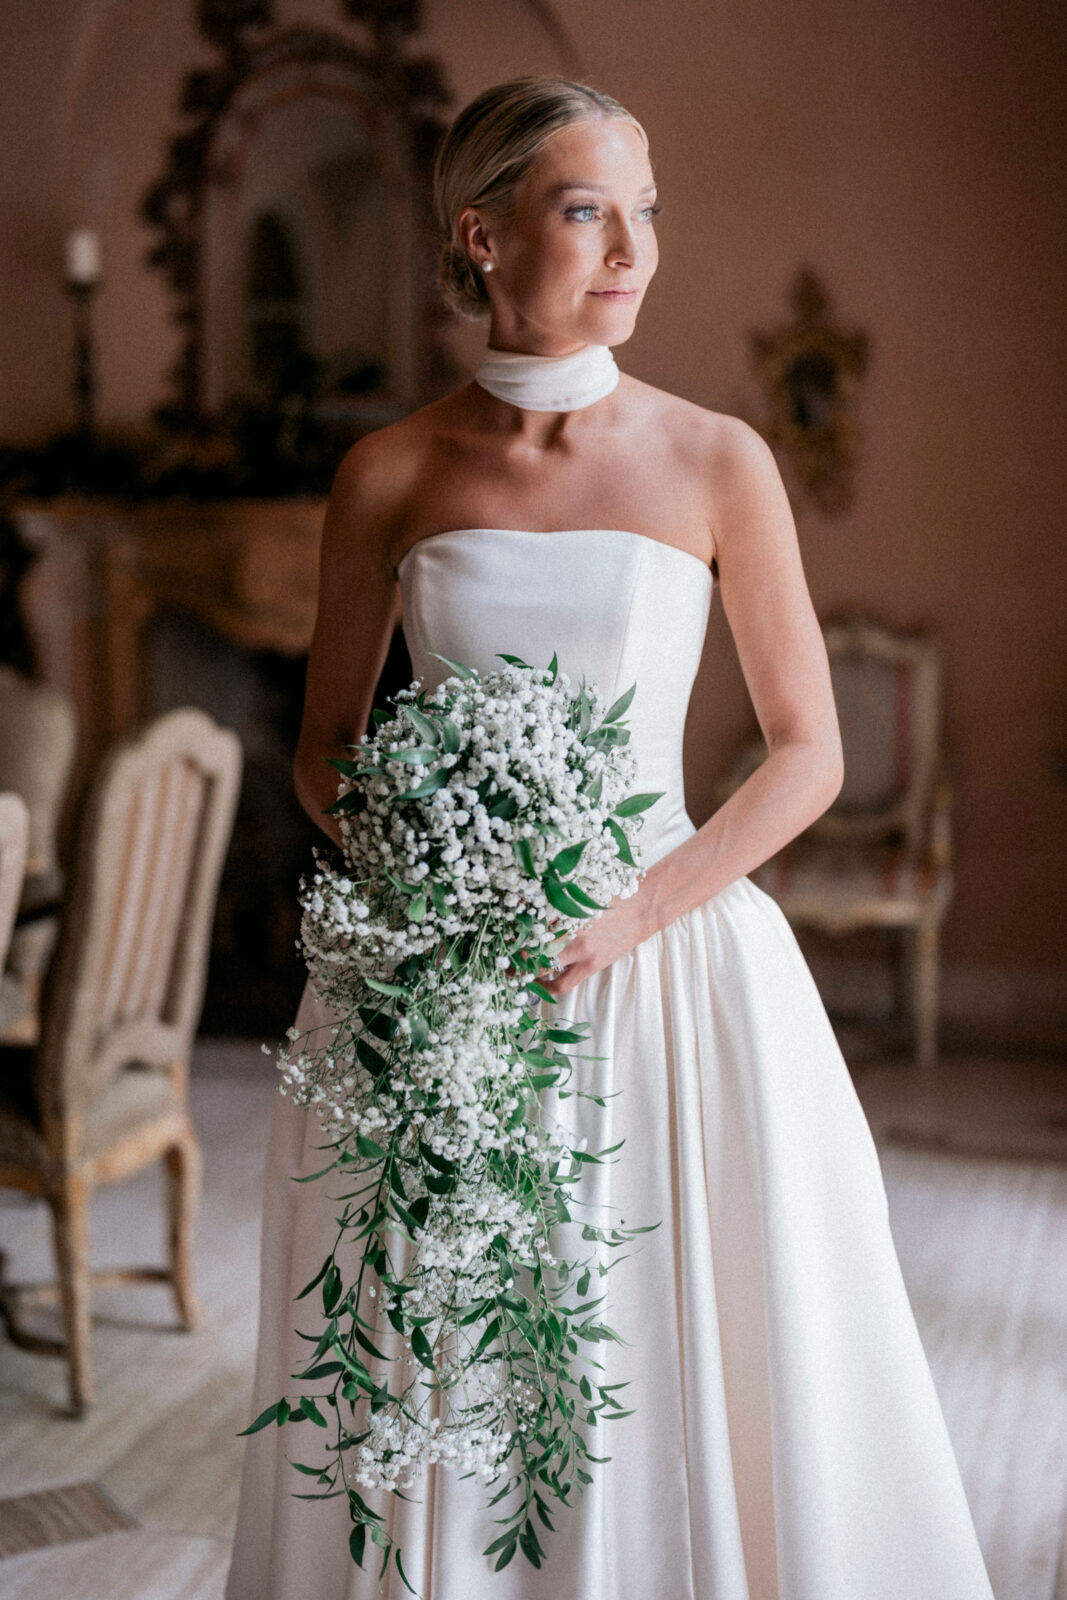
<point>786,1441</point>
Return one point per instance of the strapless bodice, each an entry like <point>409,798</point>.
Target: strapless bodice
<point>616,606</point>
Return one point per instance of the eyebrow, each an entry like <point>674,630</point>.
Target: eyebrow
<point>577,183</point>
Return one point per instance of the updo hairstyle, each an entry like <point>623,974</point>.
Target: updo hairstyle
<point>485,155</point>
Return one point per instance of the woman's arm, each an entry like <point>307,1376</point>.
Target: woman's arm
<point>783,657</point>
<point>358,608</point>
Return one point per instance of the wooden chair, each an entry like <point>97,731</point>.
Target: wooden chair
<point>105,1092</point>
<point>882,854</point>
<point>37,740</point>
<point>14,849</point>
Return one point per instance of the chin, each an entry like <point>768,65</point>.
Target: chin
<point>614,330</point>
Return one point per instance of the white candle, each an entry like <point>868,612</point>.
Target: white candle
<point>83,256</point>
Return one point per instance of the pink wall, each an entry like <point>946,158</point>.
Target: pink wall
<point>907,152</point>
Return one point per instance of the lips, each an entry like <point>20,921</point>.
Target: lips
<point>614,294</point>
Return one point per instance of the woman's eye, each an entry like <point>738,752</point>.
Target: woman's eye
<point>650,211</point>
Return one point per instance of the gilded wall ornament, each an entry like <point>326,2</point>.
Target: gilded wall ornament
<point>810,371</point>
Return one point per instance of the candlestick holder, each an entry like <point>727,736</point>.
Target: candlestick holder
<point>81,294</point>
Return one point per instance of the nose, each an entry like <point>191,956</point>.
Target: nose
<point>623,249</point>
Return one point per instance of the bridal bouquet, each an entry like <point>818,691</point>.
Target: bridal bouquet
<point>480,824</point>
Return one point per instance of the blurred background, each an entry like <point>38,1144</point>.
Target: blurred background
<point>216,272</point>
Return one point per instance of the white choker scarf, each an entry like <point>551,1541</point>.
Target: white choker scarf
<point>549,383</point>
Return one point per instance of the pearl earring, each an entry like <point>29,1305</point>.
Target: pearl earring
<point>487,266</point>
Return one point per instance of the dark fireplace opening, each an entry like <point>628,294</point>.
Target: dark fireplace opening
<point>256,974</point>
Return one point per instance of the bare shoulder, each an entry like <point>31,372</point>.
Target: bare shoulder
<point>374,483</point>
<point>710,439</point>
<point>728,462</point>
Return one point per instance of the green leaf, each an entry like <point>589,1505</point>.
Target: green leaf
<point>458,667</point>
<point>398,883</point>
<point>529,1545</point>
<point>567,859</point>
<point>614,712</point>
<point>442,1163</point>
<point>395,989</point>
<point>621,840</point>
<point>316,1280</point>
<point>576,892</point>
<point>525,857</point>
<point>429,785</point>
<point>365,1344</point>
<point>423,725</point>
<point>498,1544</point>
<point>420,1028</point>
<point>402,1573</point>
<point>370,1148</point>
<point>438,1183</point>
<point>421,1346</point>
<point>324,1369</point>
<point>331,1289</point>
<point>557,896</point>
<point>357,1543</point>
<point>515,661</point>
<point>370,1058</point>
<point>347,802</point>
<point>417,756</point>
<point>491,1332</point>
<point>311,1410</point>
<point>637,802</point>
<point>262,1421</point>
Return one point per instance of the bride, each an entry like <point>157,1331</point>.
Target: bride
<point>785,1441</point>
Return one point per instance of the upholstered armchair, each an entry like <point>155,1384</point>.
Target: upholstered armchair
<point>14,846</point>
<point>105,1091</point>
<point>881,856</point>
<point>37,738</point>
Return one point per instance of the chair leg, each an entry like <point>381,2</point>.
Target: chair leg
<point>184,1163</point>
<point>925,993</point>
<point>70,1222</point>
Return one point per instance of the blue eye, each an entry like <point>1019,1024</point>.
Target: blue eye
<point>653,211</point>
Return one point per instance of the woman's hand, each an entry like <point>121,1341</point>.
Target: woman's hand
<point>595,944</point>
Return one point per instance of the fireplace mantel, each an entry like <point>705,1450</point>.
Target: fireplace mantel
<point>104,569</point>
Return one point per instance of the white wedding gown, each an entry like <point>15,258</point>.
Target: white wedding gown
<point>786,1441</point>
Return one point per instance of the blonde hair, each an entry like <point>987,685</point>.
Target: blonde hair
<point>485,155</point>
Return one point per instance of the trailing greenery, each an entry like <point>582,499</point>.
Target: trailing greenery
<point>481,824</point>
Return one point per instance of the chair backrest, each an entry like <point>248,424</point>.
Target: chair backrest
<point>37,738</point>
<point>887,688</point>
<point>127,981</point>
<point>14,846</point>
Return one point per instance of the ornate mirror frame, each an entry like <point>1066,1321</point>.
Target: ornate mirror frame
<point>397,97</point>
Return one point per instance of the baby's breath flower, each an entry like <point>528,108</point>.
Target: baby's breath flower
<point>457,876</point>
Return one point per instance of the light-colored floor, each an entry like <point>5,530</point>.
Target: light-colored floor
<point>975,1168</point>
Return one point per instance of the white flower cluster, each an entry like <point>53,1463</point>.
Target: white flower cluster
<point>484,805</point>
<point>399,1447</point>
<point>451,1266</point>
<point>518,748</point>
